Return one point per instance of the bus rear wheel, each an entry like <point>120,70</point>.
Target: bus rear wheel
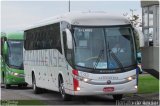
<point>65,96</point>
<point>36,89</point>
<point>117,97</point>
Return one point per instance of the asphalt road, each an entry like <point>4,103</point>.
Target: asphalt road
<point>54,98</point>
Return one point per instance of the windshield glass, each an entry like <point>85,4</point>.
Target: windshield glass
<point>93,47</point>
<point>15,55</point>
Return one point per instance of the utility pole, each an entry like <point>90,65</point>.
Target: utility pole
<point>69,6</point>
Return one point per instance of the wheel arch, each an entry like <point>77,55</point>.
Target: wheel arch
<point>33,75</point>
<point>60,77</point>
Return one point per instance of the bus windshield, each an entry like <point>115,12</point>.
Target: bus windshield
<point>94,45</point>
<point>15,53</point>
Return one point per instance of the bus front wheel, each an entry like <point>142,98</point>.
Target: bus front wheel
<point>7,86</point>
<point>117,97</point>
<point>65,96</point>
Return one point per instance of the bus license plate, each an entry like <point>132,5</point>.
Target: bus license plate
<point>108,89</point>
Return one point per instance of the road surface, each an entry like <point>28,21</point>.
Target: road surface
<point>54,98</point>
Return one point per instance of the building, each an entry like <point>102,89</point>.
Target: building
<point>150,28</point>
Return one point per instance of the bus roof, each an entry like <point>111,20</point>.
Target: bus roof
<point>85,19</point>
<point>15,36</point>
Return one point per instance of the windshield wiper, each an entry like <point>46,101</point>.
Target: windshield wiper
<point>115,58</point>
<point>99,57</point>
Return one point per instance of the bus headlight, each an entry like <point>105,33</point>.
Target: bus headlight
<point>131,78</point>
<point>81,78</point>
<point>85,79</point>
<point>15,74</point>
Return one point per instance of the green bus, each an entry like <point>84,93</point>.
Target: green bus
<point>12,70</point>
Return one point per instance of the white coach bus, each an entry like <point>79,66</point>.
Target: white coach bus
<point>82,54</point>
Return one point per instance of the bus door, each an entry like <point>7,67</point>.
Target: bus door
<point>67,58</point>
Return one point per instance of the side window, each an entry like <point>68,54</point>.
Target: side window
<point>57,38</point>
<point>64,42</point>
<point>26,43</point>
<point>25,40</point>
<point>46,37</point>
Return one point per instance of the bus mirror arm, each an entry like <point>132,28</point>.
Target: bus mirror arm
<point>69,38</point>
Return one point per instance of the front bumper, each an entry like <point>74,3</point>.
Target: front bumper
<point>15,80</point>
<point>89,89</point>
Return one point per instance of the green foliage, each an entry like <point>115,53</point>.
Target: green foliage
<point>21,103</point>
<point>148,84</point>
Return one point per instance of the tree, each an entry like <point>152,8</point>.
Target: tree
<point>134,18</point>
<point>136,22</point>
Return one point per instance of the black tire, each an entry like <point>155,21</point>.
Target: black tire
<point>7,86</point>
<point>19,85</point>
<point>36,89</point>
<point>25,85</point>
<point>2,78</point>
<point>65,96</point>
<point>117,97</point>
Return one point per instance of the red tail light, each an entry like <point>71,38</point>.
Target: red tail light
<point>75,81</point>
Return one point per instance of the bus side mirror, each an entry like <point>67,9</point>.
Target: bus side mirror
<point>3,39</point>
<point>5,50</point>
<point>69,39</point>
<point>140,36</point>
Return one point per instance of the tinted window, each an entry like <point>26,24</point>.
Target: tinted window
<point>46,37</point>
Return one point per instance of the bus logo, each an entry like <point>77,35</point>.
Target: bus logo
<point>109,82</point>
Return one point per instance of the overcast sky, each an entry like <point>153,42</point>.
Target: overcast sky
<point>16,15</point>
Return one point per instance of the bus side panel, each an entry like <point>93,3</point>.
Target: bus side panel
<point>66,70</point>
<point>27,67</point>
<point>46,65</point>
